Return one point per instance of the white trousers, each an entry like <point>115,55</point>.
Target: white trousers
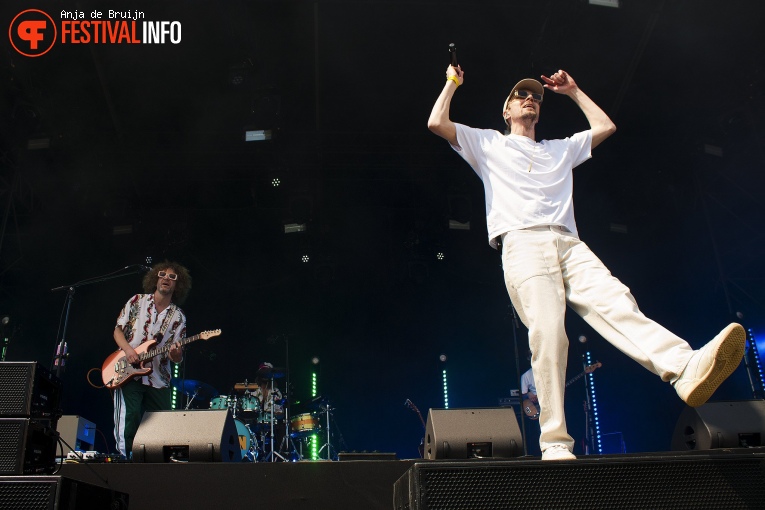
<point>546,268</point>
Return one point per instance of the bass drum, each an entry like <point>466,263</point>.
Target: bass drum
<point>247,444</point>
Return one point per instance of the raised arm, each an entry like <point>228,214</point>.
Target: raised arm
<point>602,126</point>
<point>439,121</point>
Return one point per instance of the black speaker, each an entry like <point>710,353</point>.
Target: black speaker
<point>206,435</point>
<point>56,492</point>
<point>472,433</point>
<point>727,424</point>
<point>27,446</point>
<point>697,480</point>
<point>28,390</point>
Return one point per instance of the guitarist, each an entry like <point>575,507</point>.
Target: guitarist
<point>529,394</point>
<point>154,315</point>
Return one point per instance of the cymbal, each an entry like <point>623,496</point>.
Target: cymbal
<point>194,388</point>
<point>244,386</point>
<point>268,373</point>
<point>318,402</point>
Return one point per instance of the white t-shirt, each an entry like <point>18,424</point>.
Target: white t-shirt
<point>527,383</point>
<point>526,183</point>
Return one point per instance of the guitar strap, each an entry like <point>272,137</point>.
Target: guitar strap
<point>172,310</point>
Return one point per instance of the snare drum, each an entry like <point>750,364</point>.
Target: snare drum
<point>303,425</point>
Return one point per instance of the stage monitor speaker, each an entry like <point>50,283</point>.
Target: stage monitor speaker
<point>472,433</point>
<point>27,446</point>
<point>727,424</point>
<point>28,390</point>
<point>57,492</point>
<point>76,432</point>
<point>207,435</point>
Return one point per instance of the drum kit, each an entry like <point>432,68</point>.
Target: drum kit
<point>260,413</point>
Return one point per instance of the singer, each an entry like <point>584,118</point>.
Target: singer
<point>530,218</point>
<point>149,316</point>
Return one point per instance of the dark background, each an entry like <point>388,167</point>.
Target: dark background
<point>149,139</point>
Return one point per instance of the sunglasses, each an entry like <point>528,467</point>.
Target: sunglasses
<point>523,94</point>
<point>165,274</point>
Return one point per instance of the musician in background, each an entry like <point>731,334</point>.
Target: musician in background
<point>529,395</point>
<point>268,394</point>
<point>528,389</point>
<point>154,315</point>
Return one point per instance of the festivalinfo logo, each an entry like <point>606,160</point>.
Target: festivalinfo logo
<point>33,32</point>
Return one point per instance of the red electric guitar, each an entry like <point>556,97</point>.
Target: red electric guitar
<point>116,370</point>
<point>532,410</point>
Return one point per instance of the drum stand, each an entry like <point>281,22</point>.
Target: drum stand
<point>328,445</point>
<point>271,457</point>
<point>287,446</point>
<point>190,400</point>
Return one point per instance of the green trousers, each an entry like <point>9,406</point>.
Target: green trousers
<point>130,402</point>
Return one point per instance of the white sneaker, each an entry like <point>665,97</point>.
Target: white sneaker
<point>711,365</point>
<point>557,452</point>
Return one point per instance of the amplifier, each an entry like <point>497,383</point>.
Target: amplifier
<point>57,492</point>
<point>76,432</point>
<point>27,446</point>
<point>28,390</point>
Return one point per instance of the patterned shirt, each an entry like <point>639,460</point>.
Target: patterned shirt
<point>266,398</point>
<point>140,322</point>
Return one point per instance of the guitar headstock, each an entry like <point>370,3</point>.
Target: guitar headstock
<point>206,335</point>
<point>411,406</point>
<point>591,368</point>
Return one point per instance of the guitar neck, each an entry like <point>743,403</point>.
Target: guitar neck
<point>587,370</point>
<point>156,352</point>
<point>413,407</point>
<point>574,379</point>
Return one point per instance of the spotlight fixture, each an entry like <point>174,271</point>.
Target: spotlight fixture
<point>257,135</point>
<point>713,150</point>
<point>118,230</point>
<point>305,259</point>
<point>458,225</point>
<point>619,228</point>
<point>440,255</point>
<point>275,182</point>
<point>290,228</point>
<point>38,143</point>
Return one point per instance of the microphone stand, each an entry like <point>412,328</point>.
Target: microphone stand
<point>62,349</point>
